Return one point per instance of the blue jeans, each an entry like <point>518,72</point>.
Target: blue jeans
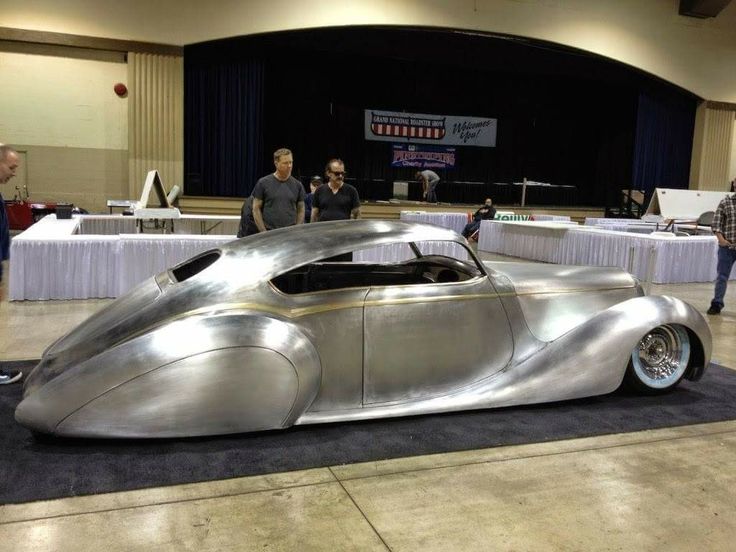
<point>432,192</point>
<point>726,258</point>
<point>470,228</point>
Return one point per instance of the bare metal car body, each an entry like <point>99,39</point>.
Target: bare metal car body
<point>260,334</point>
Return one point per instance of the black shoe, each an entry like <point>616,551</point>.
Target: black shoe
<point>714,310</point>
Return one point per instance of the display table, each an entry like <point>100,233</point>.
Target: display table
<point>553,218</point>
<point>454,221</point>
<point>398,252</point>
<point>51,261</point>
<point>225,225</point>
<point>654,258</point>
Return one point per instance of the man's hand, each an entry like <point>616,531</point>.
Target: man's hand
<point>723,242</point>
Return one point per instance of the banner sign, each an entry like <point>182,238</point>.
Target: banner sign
<point>393,126</point>
<point>422,157</point>
<point>511,216</point>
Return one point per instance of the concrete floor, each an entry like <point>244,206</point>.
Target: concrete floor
<point>652,490</point>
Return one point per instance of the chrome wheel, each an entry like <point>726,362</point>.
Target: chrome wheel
<point>660,358</point>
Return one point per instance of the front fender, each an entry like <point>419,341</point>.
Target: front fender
<point>591,359</point>
<point>203,375</point>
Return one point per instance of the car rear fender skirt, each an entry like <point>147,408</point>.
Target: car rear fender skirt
<point>216,374</point>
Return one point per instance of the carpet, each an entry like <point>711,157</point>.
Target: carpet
<point>38,470</point>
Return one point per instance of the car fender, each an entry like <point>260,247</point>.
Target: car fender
<point>591,359</point>
<point>216,373</point>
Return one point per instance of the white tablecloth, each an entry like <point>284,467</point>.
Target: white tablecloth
<point>596,221</point>
<point>556,218</point>
<point>662,259</point>
<point>49,261</point>
<point>398,252</point>
<point>226,225</point>
<point>453,221</point>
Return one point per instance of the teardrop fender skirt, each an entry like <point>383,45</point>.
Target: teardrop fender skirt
<point>203,375</point>
<point>591,359</point>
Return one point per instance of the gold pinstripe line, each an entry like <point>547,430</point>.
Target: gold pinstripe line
<point>298,312</point>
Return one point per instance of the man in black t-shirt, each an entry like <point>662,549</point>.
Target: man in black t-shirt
<point>336,200</point>
<point>486,212</point>
<point>247,223</point>
<point>278,198</point>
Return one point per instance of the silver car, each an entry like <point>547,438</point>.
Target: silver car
<point>280,329</point>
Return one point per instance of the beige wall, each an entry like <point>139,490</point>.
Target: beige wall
<point>86,177</point>
<point>73,128</point>
<point>697,54</point>
<point>732,169</point>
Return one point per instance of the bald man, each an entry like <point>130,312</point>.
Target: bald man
<point>9,161</point>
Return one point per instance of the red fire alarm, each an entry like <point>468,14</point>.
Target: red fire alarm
<point>120,89</point>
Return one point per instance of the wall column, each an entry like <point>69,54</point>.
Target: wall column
<point>712,146</point>
<point>155,120</point>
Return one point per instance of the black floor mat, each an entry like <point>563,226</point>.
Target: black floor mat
<point>35,470</point>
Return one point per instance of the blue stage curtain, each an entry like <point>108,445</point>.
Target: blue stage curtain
<point>223,126</point>
<point>663,143</point>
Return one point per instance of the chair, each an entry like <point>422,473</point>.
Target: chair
<point>706,219</point>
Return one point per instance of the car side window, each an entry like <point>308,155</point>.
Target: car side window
<point>389,265</point>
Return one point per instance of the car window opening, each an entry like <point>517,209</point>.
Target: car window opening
<point>322,276</point>
<point>194,266</point>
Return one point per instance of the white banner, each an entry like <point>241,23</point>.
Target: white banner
<point>393,126</point>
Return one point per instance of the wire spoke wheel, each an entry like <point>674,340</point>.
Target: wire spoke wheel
<point>660,359</point>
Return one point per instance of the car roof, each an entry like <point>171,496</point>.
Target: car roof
<point>271,253</point>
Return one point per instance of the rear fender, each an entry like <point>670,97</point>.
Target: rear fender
<point>203,375</point>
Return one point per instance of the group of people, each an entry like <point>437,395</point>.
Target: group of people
<point>279,200</point>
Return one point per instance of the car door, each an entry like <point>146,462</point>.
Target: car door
<point>426,340</point>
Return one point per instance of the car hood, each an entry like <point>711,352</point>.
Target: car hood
<point>531,278</point>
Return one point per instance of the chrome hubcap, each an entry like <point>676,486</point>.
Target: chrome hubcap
<point>661,355</point>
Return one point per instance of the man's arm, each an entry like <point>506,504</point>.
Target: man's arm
<point>258,214</point>
<point>717,226</point>
<point>315,214</point>
<point>424,185</point>
<point>300,212</point>
<point>355,200</point>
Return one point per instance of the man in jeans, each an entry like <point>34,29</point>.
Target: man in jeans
<point>724,228</point>
<point>429,180</point>
<point>9,161</point>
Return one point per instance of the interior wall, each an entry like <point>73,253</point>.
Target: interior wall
<point>732,168</point>
<point>696,54</point>
<point>712,148</point>
<point>64,115</point>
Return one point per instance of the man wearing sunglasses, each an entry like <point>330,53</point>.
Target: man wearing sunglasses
<point>337,200</point>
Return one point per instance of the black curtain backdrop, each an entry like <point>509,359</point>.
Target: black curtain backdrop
<point>664,143</point>
<point>223,125</point>
<point>564,117</point>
